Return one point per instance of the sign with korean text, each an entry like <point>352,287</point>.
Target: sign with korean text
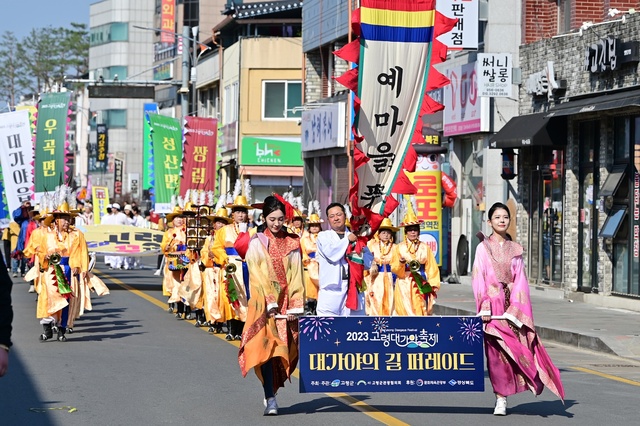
<point>16,156</point>
<point>395,58</point>
<point>118,175</point>
<point>465,34</point>
<point>199,162</point>
<point>166,136</point>
<point>323,128</point>
<point>464,112</point>
<point>51,140</point>
<point>100,197</point>
<point>134,185</point>
<point>494,75</point>
<point>270,152</point>
<point>122,240</point>
<point>391,354</point>
<point>229,137</point>
<point>428,195</point>
<point>102,147</point>
<point>610,54</point>
<point>168,21</point>
<point>147,150</point>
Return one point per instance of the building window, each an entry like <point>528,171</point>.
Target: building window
<point>115,118</point>
<point>621,138</point>
<point>109,73</point>
<point>230,103</point>
<point>115,31</point>
<point>279,98</point>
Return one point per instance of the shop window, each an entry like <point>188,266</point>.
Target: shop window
<point>616,183</point>
<point>614,222</point>
<point>279,98</point>
<point>621,136</point>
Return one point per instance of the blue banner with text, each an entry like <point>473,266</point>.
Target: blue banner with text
<point>391,354</point>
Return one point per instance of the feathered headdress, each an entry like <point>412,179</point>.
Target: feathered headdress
<point>221,202</point>
<point>211,198</point>
<point>247,190</point>
<point>237,190</point>
<point>229,198</point>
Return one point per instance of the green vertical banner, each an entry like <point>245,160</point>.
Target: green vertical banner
<point>166,137</point>
<point>147,151</point>
<point>51,142</point>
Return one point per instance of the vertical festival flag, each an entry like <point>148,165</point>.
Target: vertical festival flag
<point>395,52</point>
<point>199,162</point>
<point>166,136</point>
<point>147,151</point>
<point>16,156</point>
<point>100,196</point>
<point>51,141</point>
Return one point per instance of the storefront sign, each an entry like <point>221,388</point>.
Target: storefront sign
<point>100,199</point>
<point>636,215</point>
<point>168,21</point>
<point>428,185</point>
<point>494,74</point>
<point>323,127</point>
<point>103,146</point>
<point>391,354</point>
<point>163,72</point>
<point>465,34</point>
<point>118,172</point>
<point>134,184</point>
<point>465,112</point>
<point>609,54</point>
<point>544,83</point>
<point>270,152</point>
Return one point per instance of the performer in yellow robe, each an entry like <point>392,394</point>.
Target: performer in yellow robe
<point>270,337</point>
<point>62,295</point>
<point>217,307</point>
<point>379,279</point>
<point>408,300</point>
<point>224,253</point>
<point>173,240</point>
<point>308,247</point>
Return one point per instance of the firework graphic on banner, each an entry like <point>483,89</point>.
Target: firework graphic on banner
<point>317,328</point>
<point>470,330</point>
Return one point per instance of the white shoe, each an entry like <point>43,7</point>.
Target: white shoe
<point>32,289</point>
<point>157,272</point>
<point>501,406</point>
<point>271,407</point>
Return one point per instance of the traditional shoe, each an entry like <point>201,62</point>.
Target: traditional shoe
<point>228,337</point>
<point>48,332</point>
<point>70,330</point>
<point>179,315</point>
<point>501,406</point>
<point>238,337</point>
<point>272,407</point>
<point>61,337</point>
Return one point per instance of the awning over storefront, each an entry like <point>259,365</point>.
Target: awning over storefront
<point>531,130</point>
<point>290,171</point>
<point>597,103</point>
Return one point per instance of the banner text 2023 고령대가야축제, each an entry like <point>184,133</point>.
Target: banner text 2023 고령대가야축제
<point>391,354</point>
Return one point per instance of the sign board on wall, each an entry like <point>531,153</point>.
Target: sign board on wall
<point>270,152</point>
<point>465,112</point>
<point>494,74</point>
<point>323,127</point>
<point>465,34</point>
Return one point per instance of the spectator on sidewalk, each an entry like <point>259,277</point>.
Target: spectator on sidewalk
<point>516,359</point>
<point>6,317</point>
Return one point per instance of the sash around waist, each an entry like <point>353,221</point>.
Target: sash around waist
<point>231,251</point>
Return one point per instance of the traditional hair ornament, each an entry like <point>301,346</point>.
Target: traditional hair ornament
<point>410,217</point>
<point>241,200</point>
<point>314,213</point>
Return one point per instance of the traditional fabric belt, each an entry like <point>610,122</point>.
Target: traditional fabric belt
<point>231,251</point>
<point>312,255</point>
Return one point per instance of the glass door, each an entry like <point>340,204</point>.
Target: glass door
<point>588,218</point>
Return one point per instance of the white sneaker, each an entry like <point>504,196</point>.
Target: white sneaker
<point>271,407</point>
<point>501,406</point>
<point>157,272</point>
<point>32,289</point>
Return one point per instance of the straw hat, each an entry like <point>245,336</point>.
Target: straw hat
<point>221,214</point>
<point>386,225</point>
<point>177,211</point>
<point>314,219</point>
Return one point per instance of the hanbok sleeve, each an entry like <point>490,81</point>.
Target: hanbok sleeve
<point>258,261</point>
<point>204,252</point>
<point>397,267</point>
<point>479,283</point>
<point>167,239</point>
<point>432,271</point>
<point>219,253</point>
<point>304,250</point>
<point>296,285</point>
<point>519,311</point>
<point>333,251</point>
<point>79,253</point>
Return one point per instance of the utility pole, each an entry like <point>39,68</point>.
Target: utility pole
<point>184,90</point>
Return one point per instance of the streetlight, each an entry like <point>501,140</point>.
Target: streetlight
<point>184,89</point>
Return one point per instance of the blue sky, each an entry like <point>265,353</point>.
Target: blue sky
<point>22,15</point>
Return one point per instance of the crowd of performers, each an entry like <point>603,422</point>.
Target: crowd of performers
<point>253,283</point>
<point>60,264</point>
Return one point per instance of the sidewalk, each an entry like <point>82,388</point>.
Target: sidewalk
<point>608,330</point>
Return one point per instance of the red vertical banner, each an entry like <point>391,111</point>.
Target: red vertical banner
<point>168,21</point>
<point>199,156</point>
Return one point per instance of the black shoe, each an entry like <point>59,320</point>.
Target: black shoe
<point>70,330</point>
<point>179,315</point>
<point>48,332</point>
<point>228,337</point>
<point>238,337</point>
<point>61,332</point>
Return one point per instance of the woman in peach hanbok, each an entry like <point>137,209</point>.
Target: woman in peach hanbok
<point>270,338</point>
<point>516,359</point>
<point>174,240</point>
<point>415,291</point>
<point>380,280</point>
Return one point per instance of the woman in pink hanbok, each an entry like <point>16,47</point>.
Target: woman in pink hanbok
<point>516,359</point>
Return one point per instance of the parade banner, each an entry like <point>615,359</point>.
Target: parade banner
<point>100,197</point>
<point>166,136</point>
<point>51,141</point>
<point>199,161</point>
<point>16,157</point>
<point>102,147</point>
<point>147,150</point>
<point>391,354</point>
<point>118,176</point>
<point>4,213</point>
<point>429,208</point>
<point>122,239</point>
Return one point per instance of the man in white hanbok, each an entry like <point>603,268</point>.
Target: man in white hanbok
<point>333,266</point>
